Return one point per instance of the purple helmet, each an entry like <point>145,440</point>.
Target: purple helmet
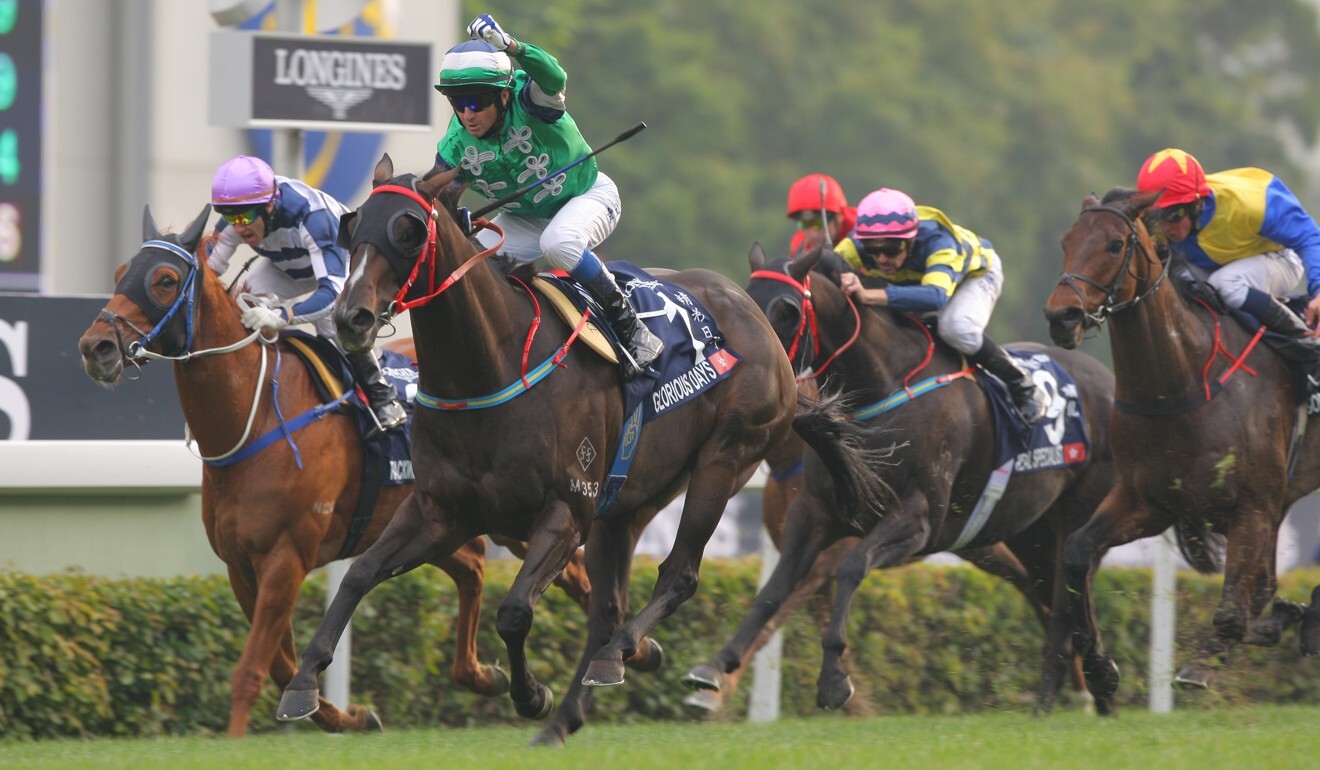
<point>243,181</point>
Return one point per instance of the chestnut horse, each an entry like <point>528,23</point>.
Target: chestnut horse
<point>942,456</point>
<point>516,468</point>
<point>1207,431</point>
<point>273,517</point>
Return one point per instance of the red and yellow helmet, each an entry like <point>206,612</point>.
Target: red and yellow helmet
<point>805,195</point>
<point>1175,172</point>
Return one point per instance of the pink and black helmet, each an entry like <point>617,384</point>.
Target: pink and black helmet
<point>886,213</point>
<point>242,181</point>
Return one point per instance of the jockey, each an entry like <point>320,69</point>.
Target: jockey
<point>510,127</point>
<point>295,227</point>
<point>1248,232</point>
<point>807,198</point>
<point>912,258</point>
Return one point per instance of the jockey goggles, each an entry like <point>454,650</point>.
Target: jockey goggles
<point>810,220</point>
<point>242,217</point>
<point>1170,213</point>
<point>889,247</point>
<point>473,102</point>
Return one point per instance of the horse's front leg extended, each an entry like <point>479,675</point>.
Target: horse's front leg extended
<point>467,568</point>
<point>413,537</point>
<point>552,544</point>
<point>806,531</point>
<point>903,532</point>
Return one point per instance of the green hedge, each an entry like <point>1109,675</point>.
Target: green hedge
<point>91,656</point>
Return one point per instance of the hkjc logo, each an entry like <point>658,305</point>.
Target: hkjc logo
<point>340,79</point>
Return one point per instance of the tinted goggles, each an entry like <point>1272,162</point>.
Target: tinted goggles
<point>473,102</point>
<point>242,217</point>
<point>810,220</point>
<point>888,247</point>
<point>1170,213</point>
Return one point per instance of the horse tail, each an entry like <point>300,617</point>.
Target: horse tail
<point>844,447</point>
<point>1202,549</point>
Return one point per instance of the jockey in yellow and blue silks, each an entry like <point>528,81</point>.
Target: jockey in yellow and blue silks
<point>510,128</point>
<point>1246,232</point>
<point>914,259</point>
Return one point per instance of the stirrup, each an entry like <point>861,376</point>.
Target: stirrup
<point>379,427</point>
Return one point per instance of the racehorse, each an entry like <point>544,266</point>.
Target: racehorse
<point>274,517</point>
<point>939,428</point>
<point>517,468</point>
<point>1207,435</point>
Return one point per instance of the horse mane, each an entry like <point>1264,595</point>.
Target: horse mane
<point>1117,194</point>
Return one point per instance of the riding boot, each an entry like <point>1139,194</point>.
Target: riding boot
<point>1027,398</point>
<point>385,407</point>
<point>1297,346</point>
<point>643,347</point>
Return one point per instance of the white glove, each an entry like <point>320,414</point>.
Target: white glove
<point>486,28</point>
<point>261,318</point>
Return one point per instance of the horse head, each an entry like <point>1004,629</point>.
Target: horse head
<point>1108,261</point>
<point>408,233</point>
<point>793,304</point>
<point>154,303</point>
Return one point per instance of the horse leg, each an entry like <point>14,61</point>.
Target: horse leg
<point>805,535</point>
<point>552,544</point>
<point>1311,625</point>
<point>902,533</point>
<point>608,554</point>
<point>467,568</point>
<point>1120,518</point>
<point>711,487</point>
<point>411,539</point>
<point>1267,615</point>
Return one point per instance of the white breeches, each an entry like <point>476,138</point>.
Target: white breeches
<point>1276,273</point>
<point>583,223</point>
<point>963,318</point>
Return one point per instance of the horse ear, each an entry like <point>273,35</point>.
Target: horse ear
<point>344,238</point>
<point>801,267</point>
<point>384,171</point>
<point>1142,201</point>
<point>192,234</point>
<point>149,230</point>
<point>1090,201</point>
<point>430,188</point>
<point>756,257</point>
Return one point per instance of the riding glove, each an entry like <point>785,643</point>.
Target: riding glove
<point>261,318</point>
<point>485,27</point>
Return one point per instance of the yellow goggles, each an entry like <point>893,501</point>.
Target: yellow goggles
<point>244,217</point>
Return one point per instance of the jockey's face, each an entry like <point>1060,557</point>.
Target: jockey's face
<point>478,115</point>
<point>253,232</point>
<point>1174,222</point>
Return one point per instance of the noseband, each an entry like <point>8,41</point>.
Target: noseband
<point>1111,305</point>
<point>807,311</point>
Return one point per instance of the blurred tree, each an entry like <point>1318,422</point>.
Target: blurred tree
<point>1004,119</point>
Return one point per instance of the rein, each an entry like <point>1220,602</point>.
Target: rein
<point>526,379</point>
<point>809,323</point>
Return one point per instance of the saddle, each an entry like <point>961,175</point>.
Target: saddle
<point>563,305</point>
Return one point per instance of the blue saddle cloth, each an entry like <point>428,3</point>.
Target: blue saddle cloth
<point>399,370</point>
<point>1057,441</point>
<point>695,356</point>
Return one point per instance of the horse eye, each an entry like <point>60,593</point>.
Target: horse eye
<point>1116,246</point>
<point>408,235</point>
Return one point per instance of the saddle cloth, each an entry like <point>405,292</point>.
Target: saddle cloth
<point>1057,441</point>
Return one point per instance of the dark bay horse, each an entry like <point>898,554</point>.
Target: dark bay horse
<point>275,516</point>
<point>1207,436</point>
<point>517,468</point>
<point>941,456</point>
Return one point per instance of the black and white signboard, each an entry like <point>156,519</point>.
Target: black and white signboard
<point>328,83</point>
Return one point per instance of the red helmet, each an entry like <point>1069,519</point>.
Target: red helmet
<point>805,195</point>
<point>1175,172</point>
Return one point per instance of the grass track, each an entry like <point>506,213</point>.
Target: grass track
<point>1260,738</point>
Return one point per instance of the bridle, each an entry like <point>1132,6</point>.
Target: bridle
<point>808,325</point>
<point>1110,305</point>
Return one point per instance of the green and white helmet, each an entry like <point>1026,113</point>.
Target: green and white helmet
<point>474,65</point>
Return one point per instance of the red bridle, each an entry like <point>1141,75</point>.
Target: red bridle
<point>809,321</point>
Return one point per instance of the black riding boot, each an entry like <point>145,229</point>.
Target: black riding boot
<point>643,346</point>
<point>1028,399</point>
<point>1298,346</point>
<point>385,407</point>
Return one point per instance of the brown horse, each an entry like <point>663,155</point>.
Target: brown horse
<point>518,467</point>
<point>942,456</point>
<point>270,519</point>
<point>1205,434</point>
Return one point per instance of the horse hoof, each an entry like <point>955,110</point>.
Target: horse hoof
<point>834,696</point>
<point>373,723</point>
<point>1102,680</point>
<point>1193,677</point>
<point>549,737</point>
<point>540,706</point>
<point>703,676</point>
<point>1105,707</point>
<point>499,682</point>
<point>603,673</point>
<point>709,701</point>
<point>649,657</point>
<point>297,704</point>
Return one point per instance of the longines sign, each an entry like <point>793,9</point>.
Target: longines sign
<point>325,83</point>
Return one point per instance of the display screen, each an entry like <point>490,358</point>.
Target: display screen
<point>20,144</point>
